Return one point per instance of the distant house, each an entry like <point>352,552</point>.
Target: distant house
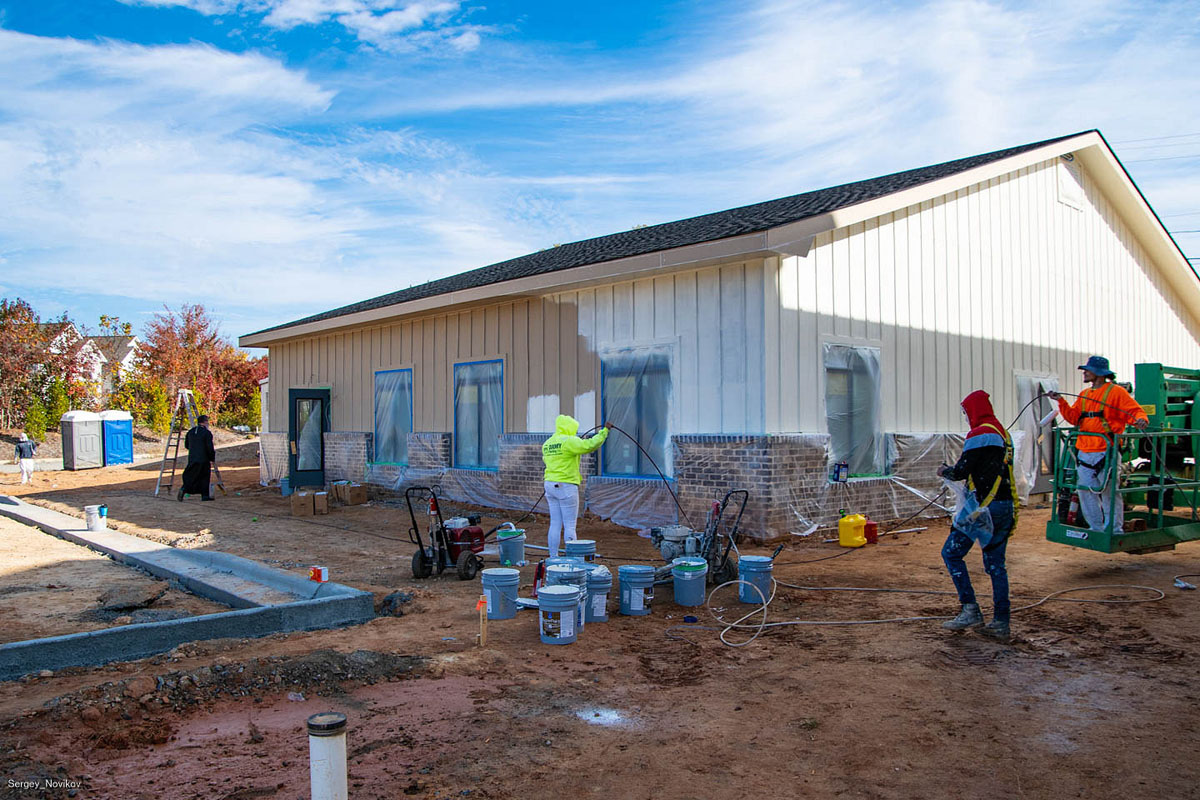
<point>751,348</point>
<point>120,354</point>
<point>102,360</point>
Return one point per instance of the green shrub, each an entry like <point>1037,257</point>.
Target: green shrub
<point>36,421</point>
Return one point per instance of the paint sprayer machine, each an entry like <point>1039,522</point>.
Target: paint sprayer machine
<point>716,544</point>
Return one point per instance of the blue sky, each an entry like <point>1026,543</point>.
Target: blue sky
<point>275,158</point>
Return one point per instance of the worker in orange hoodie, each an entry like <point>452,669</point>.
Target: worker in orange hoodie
<point>1101,414</point>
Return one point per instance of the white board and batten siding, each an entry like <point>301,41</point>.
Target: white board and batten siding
<point>710,319</point>
<point>1025,273</point>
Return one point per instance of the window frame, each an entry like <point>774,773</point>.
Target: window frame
<point>881,436</point>
<point>454,365</point>
<point>412,402</point>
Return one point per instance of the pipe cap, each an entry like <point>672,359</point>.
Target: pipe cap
<point>327,723</point>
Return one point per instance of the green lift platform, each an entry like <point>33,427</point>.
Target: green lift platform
<point>1157,467</point>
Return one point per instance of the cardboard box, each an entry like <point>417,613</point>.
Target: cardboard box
<point>320,503</point>
<point>337,491</point>
<point>302,503</point>
<point>354,494</point>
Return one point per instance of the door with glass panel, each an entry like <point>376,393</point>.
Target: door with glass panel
<point>308,421</point>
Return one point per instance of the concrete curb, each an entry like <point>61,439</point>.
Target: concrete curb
<point>269,600</point>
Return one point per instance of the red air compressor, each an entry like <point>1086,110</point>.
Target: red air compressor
<point>455,543</point>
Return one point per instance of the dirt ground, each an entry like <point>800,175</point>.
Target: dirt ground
<point>51,587</point>
<point>145,441</point>
<point>1087,700</point>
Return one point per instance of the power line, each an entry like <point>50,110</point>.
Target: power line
<point>1189,230</point>
<point>1162,158</point>
<point>1158,138</point>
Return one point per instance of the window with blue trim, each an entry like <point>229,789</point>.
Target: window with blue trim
<point>478,414</point>
<point>393,415</point>
<point>636,397</point>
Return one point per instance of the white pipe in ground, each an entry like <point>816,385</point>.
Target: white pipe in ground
<point>327,755</point>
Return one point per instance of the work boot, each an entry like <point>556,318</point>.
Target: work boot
<point>969,617</point>
<point>996,629</point>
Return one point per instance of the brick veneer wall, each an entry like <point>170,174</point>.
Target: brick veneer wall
<point>347,454</point>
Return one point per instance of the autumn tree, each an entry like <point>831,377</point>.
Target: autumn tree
<point>31,360</point>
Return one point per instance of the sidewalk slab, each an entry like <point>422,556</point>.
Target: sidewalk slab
<point>270,600</point>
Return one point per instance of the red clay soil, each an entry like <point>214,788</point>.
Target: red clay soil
<point>1087,700</point>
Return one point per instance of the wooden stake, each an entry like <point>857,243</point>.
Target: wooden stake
<point>481,607</point>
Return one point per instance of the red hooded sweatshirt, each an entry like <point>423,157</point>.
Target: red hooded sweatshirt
<point>985,451</point>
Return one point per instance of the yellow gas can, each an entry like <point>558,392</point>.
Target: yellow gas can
<point>851,531</point>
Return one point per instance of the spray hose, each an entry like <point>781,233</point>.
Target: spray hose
<point>762,625</point>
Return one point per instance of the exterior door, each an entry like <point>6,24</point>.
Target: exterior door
<point>308,421</point>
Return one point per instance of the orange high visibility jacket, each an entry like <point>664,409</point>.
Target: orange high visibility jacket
<point>1103,412</point>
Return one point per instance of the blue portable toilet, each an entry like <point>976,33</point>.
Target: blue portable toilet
<point>118,437</point>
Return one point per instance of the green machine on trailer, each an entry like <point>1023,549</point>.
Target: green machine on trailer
<point>1158,469</point>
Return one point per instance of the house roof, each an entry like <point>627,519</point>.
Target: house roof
<point>707,228</point>
<point>115,348</point>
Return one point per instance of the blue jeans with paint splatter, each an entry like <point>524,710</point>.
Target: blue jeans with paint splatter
<point>959,544</point>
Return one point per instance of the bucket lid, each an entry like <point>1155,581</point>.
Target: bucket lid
<point>689,564</point>
<point>755,559</point>
<point>558,590</point>
<point>501,572</point>
<point>566,569</point>
<point>635,568</point>
<point>510,534</point>
<point>582,543</point>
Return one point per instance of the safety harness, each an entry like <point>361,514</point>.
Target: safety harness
<point>1008,466</point>
<point>1099,466</point>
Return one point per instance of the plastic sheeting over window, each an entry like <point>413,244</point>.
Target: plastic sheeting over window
<point>1034,467</point>
<point>393,415</point>
<point>852,408</point>
<point>636,397</point>
<point>478,414</point>
<point>310,451</point>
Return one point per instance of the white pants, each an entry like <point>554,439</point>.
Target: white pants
<point>1095,504</point>
<point>26,470</point>
<point>563,499</point>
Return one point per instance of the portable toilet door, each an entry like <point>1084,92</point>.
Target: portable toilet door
<point>118,437</point>
<point>82,440</point>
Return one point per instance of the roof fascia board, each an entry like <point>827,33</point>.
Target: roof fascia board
<point>952,183</point>
<point>753,245</point>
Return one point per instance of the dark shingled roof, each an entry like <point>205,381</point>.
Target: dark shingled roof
<point>707,228</point>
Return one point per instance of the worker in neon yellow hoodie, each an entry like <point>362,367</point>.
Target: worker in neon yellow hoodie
<point>561,452</point>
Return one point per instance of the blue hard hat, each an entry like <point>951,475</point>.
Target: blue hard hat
<point>1097,365</point>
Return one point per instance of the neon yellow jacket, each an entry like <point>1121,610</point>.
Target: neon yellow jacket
<point>561,451</point>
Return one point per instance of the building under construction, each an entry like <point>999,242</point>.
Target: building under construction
<point>752,348</point>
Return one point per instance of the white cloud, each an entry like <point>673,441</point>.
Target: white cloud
<point>386,24</point>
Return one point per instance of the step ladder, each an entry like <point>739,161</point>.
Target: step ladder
<point>183,419</point>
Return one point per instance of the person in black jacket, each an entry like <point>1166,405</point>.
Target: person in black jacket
<point>201,455</point>
<point>986,465</point>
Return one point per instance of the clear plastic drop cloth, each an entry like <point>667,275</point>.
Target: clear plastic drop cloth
<point>635,396</point>
<point>1034,465</point>
<point>309,446</point>
<point>393,415</point>
<point>852,408</point>
<point>631,502</point>
<point>478,414</point>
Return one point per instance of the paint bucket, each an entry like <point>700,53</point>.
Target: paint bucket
<point>558,609</point>
<point>688,574</point>
<point>553,560</point>
<point>500,587</point>
<point>599,583</point>
<point>755,570</point>
<point>571,575</point>
<point>512,547</point>
<point>285,487</point>
<point>95,520</point>
<point>636,585</point>
<point>582,548</point>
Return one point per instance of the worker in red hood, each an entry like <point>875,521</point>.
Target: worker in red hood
<point>986,465</point>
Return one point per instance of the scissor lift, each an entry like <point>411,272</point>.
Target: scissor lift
<point>1157,467</point>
